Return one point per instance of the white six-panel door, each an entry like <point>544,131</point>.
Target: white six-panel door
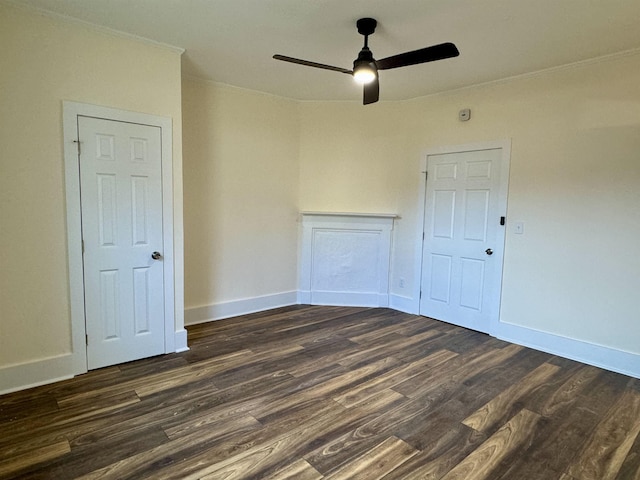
<point>121,202</point>
<point>463,238</point>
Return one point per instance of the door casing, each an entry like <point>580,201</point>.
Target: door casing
<point>71,111</point>
<point>505,146</point>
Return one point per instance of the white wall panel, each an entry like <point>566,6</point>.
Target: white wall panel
<point>141,300</point>
<point>441,269</point>
<point>472,283</point>
<point>476,209</point>
<point>139,210</point>
<point>443,214</point>
<point>107,210</point>
<point>109,305</point>
<point>345,259</point>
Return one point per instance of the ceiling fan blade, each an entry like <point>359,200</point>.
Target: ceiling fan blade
<point>428,54</point>
<point>371,92</point>
<point>312,64</point>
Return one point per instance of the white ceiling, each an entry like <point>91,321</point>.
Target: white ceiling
<point>232,41</point>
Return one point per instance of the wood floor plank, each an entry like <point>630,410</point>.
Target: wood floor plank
<point>442,341</point>
<point>13,465</point>
<point>441,451</point>
<point>413,324</point>
<point>386,348</point>
<point>121,387</point>
<point>567,392</point>
<point>21,407</point>
<point>341,383</point>
<point>630,469</point>
<point>377,462</point>
<point>82,383</point>
<point>606,450</point>
<point>64,420</point>
<point>500,408</point>
<point>242,399</point>
<point>426,430</point>
<point>192,373</point>
<point>378,333</point>
<point>165,456</point>
<point>552,446</point>
<point>338,451</point>
<point>82,460</point>
<point>500,375</point>
<point>318,360</point>
<point>457,370</point>
<point>392,377</point>
<point>481,462</point>
<point>179,412</point>
<point>298,470</point>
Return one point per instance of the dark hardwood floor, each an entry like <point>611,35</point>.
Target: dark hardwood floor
<point>330,393</point>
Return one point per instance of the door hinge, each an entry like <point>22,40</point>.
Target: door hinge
<point>77,142</point>
<point>82,246</point>
<point>502,219</point>
<point>420,296</point>
<point>86,339</point>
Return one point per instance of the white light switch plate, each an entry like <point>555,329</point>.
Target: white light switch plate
<point>518,228</point>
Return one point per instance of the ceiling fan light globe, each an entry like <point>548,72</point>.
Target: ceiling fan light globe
<point>364,74</point>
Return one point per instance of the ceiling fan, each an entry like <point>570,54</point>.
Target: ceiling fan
<point>365,67</point>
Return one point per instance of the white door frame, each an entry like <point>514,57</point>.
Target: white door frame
<point>71,111</point>
<point>505,146</point>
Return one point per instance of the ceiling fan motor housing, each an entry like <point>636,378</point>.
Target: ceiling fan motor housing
<point>366,26</point>
<point>364,57</point>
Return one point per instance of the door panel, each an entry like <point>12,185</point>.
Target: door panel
<point>471,283</point>
<point>443,213</point>
<point>121,200</point>
<point>476,215</point>
<point>440,283</point>
<point>460,281</point>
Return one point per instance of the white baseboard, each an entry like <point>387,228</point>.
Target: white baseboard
<point>33,374</point>
<point>304,297</point>
<point>344,299</point>
<point>608,358</point>
<point>403,304</point>
<point>181,341</point>
<point>218,311</point>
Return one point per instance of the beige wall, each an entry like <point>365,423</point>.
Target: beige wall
<point>44,61</point>
<point>574,182</point>
<point>241,189</point>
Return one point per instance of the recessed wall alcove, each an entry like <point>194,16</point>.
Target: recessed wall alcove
<point>344,258</point>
